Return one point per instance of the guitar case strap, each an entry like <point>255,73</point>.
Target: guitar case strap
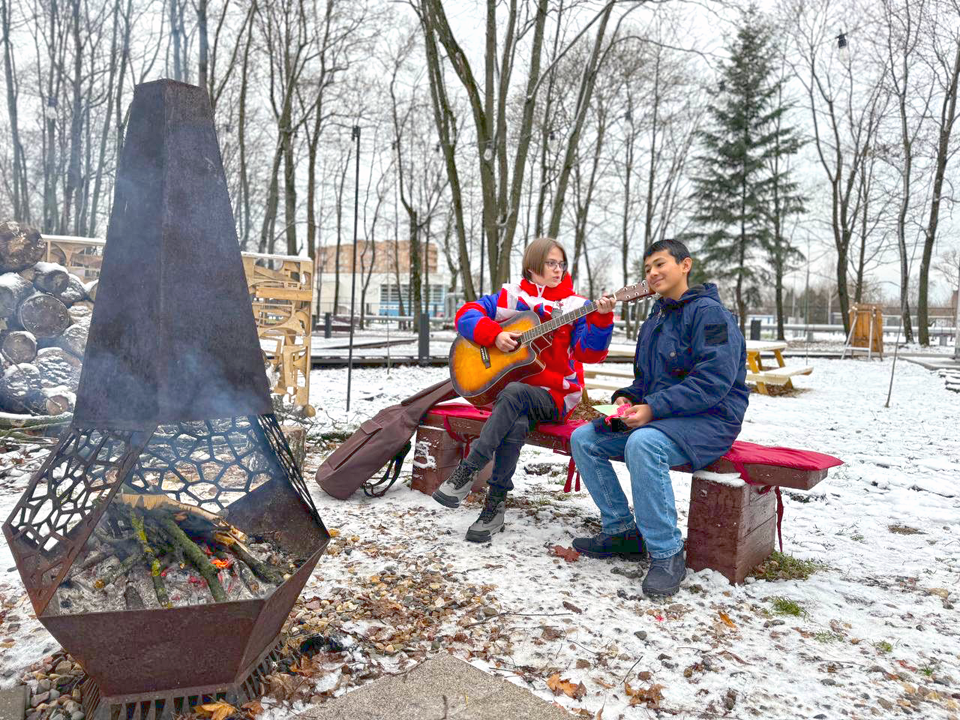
<point>370,489</point>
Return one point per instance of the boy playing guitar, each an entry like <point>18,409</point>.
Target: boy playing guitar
<point>548,396</point>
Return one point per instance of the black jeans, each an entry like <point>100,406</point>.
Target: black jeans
<point>518,408</point>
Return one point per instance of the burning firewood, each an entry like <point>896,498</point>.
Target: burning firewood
<point>174,551</point>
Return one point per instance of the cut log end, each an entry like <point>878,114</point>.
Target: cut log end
<point>20,246</point>
<point>19,346</point>
<point>43,315</point>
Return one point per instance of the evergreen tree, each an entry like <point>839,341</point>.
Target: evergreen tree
<point>737,179</point>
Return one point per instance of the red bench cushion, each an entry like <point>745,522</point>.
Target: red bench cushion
<point>741,454</point>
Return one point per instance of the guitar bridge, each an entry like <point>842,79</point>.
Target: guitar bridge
<point>485,356</point>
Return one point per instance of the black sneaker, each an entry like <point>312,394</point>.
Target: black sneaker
<point>665,575</point>
<point>491,518</point>
<point>628,545</point>
<point>456,487</point>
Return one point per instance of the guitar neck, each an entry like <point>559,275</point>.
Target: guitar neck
<point>552,324</point>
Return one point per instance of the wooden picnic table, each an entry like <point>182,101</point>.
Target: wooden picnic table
<point>606,377</point>
<point>780,375</point>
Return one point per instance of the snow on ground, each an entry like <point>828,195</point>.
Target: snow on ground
<point>877,632</point>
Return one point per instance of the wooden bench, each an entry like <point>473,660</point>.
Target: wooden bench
<point>731,524</point>
<point>605,377</point>
<point>780,375</point>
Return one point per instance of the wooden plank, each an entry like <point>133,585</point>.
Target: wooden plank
<point>772,474</point>
<point>762,377</point>
<point>765,346</point>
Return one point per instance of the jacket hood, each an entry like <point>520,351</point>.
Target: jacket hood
<point>561,291</point>
<point>707,290</point>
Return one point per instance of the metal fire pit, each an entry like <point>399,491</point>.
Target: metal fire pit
<point>173,399</point>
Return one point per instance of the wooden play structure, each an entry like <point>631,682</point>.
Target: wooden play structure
<point>283,309</point>
<point>281,292</point>
<point>866,331</point>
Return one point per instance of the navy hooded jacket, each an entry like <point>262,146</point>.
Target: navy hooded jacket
<point>690,367</point>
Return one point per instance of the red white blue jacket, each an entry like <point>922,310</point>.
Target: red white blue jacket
<point>584,341</point>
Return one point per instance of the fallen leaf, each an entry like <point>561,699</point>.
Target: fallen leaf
<point>603,683</point>
<point>644,675</point>
<point>551,633</point>
<point>726,620</point>
<point>333,533</point>
<point>568,554</point>
<point>559,685</point>
<point>571,607</point>
<point>650,696</point>
<point>253,707</point>
<point>218,710</point>
<point>583,664</point>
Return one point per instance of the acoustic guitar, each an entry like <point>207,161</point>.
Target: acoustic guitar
<point>480,373</point>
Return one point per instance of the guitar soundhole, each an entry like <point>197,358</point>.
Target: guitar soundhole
<point>485,356</point>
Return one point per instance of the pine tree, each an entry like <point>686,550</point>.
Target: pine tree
<point>736,183</point>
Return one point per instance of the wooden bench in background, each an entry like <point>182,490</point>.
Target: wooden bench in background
<point>779,375</point>
<point>612,377</point>
<point>731,526</point>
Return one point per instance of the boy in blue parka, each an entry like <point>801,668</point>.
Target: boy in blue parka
<point>687,401</point>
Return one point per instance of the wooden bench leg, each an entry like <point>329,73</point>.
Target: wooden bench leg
<point>789,384</point>
<point>731,528</point>
<point>435,457</point>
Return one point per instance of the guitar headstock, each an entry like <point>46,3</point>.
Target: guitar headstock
<point>633,292</point>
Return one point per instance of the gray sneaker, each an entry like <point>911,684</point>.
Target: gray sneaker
<point>491,518</point>
<point>456,487</point>
<point>665,575</point>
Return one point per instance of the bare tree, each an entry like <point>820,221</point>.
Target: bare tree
<point>21,204</point>
<point>946,71</point>
<point>903,25</point>
<point>846,102</point>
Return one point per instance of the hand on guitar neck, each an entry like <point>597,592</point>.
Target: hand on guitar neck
<point>510,341</point>
<point>479,373</point>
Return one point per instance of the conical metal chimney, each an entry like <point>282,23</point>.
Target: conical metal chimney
<point>172,336</point>
<point>173,403</point>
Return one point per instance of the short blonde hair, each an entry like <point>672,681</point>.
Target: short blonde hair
<point>535,256</point>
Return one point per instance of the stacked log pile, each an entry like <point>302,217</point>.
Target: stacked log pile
<point>45,313</point>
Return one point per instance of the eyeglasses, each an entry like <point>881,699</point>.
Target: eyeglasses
<point>554,264</point>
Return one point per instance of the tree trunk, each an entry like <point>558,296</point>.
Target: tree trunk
<point>176,39</point>
<point>416,290</point>
<point>204,42</point>
<point>70,193</point>
<point>245,213</point>
<point>587,83</point>
<point>948,114</point>
<point>290,193</point>
<point>21,202</point>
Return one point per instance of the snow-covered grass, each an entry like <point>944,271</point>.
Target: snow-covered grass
<point>875,631</point>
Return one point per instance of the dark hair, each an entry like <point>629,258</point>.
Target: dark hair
<point>674,247</point>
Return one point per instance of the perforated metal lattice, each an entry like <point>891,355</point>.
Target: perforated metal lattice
<point>209,463</point>
<point>69,489</point>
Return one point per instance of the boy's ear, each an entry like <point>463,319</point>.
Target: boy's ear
<point>686,264</point>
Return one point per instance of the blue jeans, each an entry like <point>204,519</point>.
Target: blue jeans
<point>649,455</point>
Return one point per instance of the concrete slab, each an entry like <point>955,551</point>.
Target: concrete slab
<point>13,703</point>
<point>442,687</point>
